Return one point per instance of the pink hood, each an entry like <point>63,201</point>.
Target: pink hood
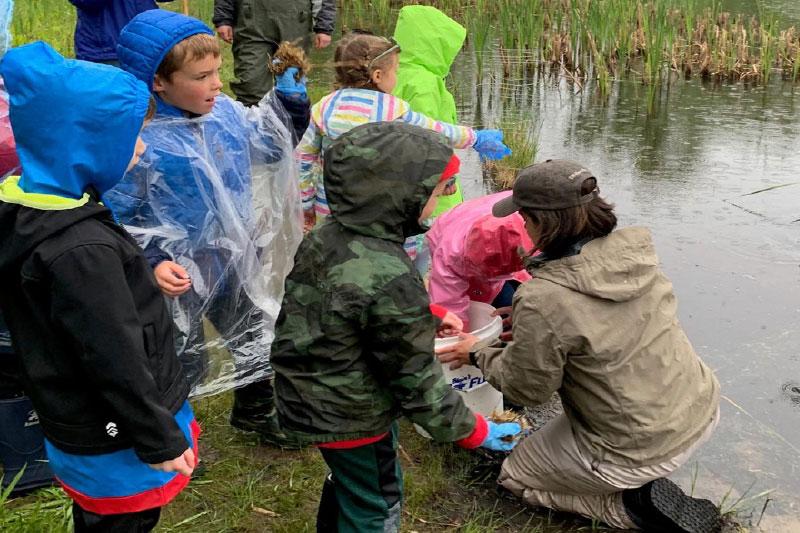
<point>474,253</point>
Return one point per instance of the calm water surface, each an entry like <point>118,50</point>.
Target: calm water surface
<point>686,172</point>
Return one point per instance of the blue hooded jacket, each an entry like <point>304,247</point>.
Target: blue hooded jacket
<point>216,193</point>
<point>82,146</point>
<point>91,326</point>
<point>99,23</point>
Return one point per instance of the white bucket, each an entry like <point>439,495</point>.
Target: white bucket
<point>468,380</point>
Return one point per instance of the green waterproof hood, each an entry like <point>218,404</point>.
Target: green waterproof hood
<point>379,176</point>
<point>428,38</point>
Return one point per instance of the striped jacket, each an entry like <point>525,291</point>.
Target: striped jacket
<point>343,110</point>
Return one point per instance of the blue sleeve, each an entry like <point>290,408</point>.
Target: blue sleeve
<point>129,203</point>
<point>299,111</point>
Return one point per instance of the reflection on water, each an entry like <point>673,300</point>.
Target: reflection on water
<point>686,171</point>
<point>734,257</point>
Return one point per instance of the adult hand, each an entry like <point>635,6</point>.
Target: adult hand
<point>501,436</point>
<point>505,312</point>
<point>172,279</point>
<point>183,464</point>
<point>321,40</point>
<point>458,353</point>
<point>451,325</point>
<point>225,33</point>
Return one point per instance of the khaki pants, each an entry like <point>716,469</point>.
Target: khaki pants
<point>548,469</point>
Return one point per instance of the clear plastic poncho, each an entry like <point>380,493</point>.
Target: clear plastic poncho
<point>219,195</point>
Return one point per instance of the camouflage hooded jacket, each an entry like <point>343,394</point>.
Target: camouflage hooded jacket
<point>353,349</point>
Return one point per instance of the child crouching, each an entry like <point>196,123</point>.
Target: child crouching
<point>354,339</point>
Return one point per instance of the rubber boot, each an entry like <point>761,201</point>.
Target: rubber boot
<point>22,446</point>
<point>662,507</point>
<point>328,513</point>
<point>254,410</point>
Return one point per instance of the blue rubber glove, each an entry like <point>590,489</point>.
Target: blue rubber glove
<point>489,145</point>
<point>494,441</point>
<point>288,85</point>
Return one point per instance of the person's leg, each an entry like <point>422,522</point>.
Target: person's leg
<point>367,485</point>
<point>546,469</point>
<point>141,522</point>
<point>506,294</point>
<point>255,39</point>
<point>251,59</point>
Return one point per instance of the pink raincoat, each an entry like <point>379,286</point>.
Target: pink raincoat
<point>473,254</point>
<point>9,162</point>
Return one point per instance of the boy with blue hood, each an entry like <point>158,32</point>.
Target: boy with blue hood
<point>84,310</point>
<point>215,206</point>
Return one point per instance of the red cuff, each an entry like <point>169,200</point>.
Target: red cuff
<point>438,311</point>
<point>478,434</point>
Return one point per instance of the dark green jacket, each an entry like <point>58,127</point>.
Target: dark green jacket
<point>353,349</point>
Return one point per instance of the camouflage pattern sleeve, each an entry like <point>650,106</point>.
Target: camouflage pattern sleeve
<point>401,332</point>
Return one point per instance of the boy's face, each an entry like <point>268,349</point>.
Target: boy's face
<point>430,206</point>
<point>385,79</point>
<point>193,87</point>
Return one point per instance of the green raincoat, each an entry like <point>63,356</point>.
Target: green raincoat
<point>353,348</point>
<point>429,41</point>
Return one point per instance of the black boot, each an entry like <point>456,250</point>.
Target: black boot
<point>662,507</point>
<point>254,410</point>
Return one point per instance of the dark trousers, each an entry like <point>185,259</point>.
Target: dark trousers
<point>364,490</point>
<point>141,522</point>
<point>506,294</point>
<point>260,26</point>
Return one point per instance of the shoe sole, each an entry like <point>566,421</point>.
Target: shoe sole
<point>689,515</point>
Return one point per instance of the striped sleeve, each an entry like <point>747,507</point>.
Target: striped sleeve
<point>309,159</point>
<point>460,136</point>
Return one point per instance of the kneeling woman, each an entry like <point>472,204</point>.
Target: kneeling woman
<point>598,324</point>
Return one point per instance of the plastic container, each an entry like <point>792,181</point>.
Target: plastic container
<point>468,380</point>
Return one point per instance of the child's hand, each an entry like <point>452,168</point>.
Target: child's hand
<point>183,464</point>
<point>172,279</point>
<point>451,325</point>
<point>489,145</point>
<point>309,220</point>
<point>458,353</point>
<point>225,33</point>
<point>288,85</point>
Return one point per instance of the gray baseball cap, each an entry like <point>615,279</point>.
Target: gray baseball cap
<point>551,185</point>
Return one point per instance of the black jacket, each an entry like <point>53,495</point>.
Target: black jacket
<point>93,331</point>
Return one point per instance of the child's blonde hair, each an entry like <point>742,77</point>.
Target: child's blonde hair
<point>192,48</point>
<point>358,55</point>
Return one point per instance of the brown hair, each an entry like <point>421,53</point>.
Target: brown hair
<point>354,59</point>
<point>192,48</point>
<point>151,110</point>
<point>561,228</point>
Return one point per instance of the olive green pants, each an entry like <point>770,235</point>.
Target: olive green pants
<point>260,26</point>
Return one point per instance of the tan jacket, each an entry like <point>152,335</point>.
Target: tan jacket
<point>601,328</point>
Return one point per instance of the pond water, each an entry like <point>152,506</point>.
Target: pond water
<point>686,171</point>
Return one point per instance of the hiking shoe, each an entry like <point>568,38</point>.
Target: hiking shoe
<point>267,426</point>
<point>662,507</point>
